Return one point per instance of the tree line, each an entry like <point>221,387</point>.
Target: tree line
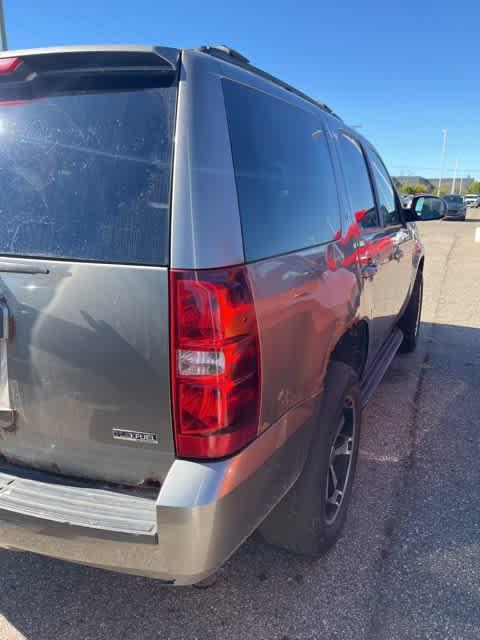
<point>412,189</point>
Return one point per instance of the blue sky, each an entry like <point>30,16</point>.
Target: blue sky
<point>403,70</point>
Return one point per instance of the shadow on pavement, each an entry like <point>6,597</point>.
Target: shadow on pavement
<point>431,586</point>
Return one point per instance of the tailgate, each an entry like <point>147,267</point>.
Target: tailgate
<point>85,165</point>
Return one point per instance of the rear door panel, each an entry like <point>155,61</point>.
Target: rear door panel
<point>89,354</point>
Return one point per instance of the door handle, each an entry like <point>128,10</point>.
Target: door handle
<point>369,270</point>
<point>7,414</point>
<point>5,320</point>
<point>9,267</point>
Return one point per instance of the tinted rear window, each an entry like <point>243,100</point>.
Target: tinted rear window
<point>87,176</point>
<point>286,187</point>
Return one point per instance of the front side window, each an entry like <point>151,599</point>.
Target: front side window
<point>385,191</point>
<point>358,182</point>
<point>286,187</point>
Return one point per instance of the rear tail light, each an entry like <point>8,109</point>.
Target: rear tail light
<point>215,362</point>
<point>8,65</point>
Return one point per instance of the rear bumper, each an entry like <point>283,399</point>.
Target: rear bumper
<point>203,511</point>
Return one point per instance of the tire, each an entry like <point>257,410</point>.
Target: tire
<point>410,321</point>
<point>304,522</point>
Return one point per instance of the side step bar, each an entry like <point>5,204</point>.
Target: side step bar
<point>382,361</point>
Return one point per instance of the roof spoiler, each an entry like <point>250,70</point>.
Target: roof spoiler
<point>55,68</point>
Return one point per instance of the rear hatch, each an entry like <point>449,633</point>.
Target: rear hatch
<point>85,169</point>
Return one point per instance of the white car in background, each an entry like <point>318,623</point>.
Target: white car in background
<point>472,200</point>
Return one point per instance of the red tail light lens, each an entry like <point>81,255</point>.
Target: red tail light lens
<point>8,65</point>
<point>215,362</point>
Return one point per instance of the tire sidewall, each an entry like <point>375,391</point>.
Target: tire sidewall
<point>298,523</point>
<point>408,322</point>
<point>330,414</point>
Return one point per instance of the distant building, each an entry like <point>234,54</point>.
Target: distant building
<point>447,184</point>
<point>401,180</point>
<point>431,184</point>
<point>412,180</point>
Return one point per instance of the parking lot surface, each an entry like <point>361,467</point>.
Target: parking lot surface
<point>408,564</point>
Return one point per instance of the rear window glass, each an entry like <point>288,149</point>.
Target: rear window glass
<point>286,187</point>
<point>87,176</point>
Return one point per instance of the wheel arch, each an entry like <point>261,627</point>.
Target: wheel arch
<point>353,346</point>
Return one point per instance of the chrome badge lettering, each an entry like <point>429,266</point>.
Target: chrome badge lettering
<point>134,436</point>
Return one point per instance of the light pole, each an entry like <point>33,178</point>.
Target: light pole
<point>3,32</point>
<point>442,170</point>
<point>455,176</point>
<point>461,185</point>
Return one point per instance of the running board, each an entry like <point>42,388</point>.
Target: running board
<point>382,361</point>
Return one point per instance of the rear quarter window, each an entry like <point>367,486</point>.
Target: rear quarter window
<point>86,176</point>
<point>286,187</point>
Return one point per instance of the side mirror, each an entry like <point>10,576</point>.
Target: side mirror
<point>425,208</point>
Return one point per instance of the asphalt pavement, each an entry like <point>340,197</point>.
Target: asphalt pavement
<point>408,564</point>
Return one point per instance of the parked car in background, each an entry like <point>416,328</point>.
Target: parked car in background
<point>456,208</point>
<point>472,200</point>
<point>204,276</point>
<point>407,200</point>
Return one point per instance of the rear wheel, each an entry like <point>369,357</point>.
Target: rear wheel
<point>311,516</point>
<point>410,321</point>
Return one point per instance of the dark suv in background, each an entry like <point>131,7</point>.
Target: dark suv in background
<point>456,207</point>
<point>204,275</point>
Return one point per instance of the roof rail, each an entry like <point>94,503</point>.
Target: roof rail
<point>226,53</point>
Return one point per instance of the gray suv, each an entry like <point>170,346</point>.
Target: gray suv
<point>204,275</point>
<point>456,207</point>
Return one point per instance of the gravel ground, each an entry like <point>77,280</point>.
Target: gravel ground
<point>408,564</point>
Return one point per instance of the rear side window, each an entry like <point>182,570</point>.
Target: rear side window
<point>286,187</point>
<point>86,176</point>
<point>358,181</point>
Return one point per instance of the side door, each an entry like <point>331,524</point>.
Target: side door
<point>396,243</point>
<point>371,251</point>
